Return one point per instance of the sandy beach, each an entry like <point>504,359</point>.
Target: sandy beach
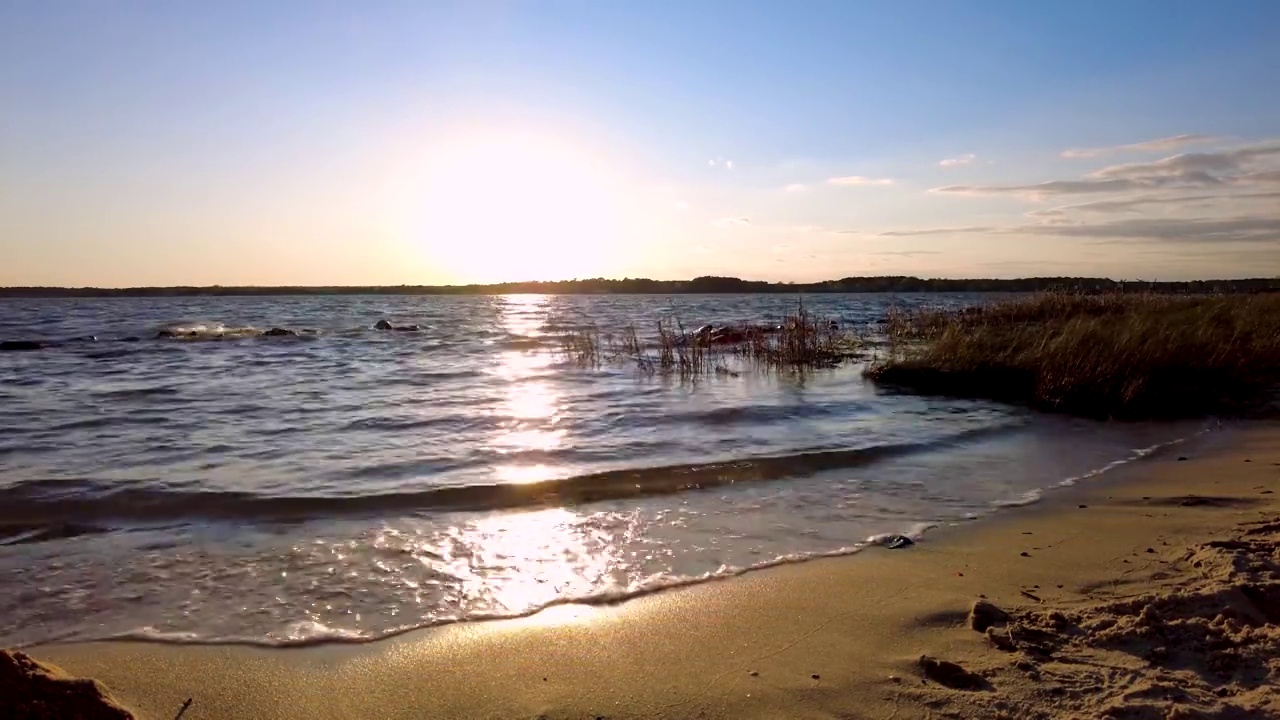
<point>1149,593</point>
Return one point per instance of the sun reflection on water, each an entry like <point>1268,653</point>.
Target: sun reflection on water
<point>530,559</point>
<point>531,406</point>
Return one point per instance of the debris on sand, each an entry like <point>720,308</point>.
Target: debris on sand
<point>951,675</point>
<point>985,614</point>
<point>36,691</point>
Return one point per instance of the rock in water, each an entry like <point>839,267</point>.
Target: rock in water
<point>279,332</point>
<point>893,542</point>
<point>984,614</point>
<point>406,328</point>
<point>382,325</point>
<point>14,345</point>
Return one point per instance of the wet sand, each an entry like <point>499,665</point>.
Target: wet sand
<point>1152,593</point>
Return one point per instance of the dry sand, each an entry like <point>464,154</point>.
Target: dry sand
<point>1153,593</point>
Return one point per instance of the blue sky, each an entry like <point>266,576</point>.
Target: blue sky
<point>330,143</point>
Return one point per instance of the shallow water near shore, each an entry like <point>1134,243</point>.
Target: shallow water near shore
<point>348,484</point>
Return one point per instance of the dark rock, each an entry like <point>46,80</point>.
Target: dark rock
<point>382,325</point>
<point>131,338</point>
<point>893,542</point>
<point>816,676</point>
<point>279,332</point>
<point>16,345</point>
<point>406,328</point>
<point>167,333</point>
<point>84,339</point>
<point>1182,458</point>
<point>949,674</point>
<point>1025,554</point>
<point>984,614</point>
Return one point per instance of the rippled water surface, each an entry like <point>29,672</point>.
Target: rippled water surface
<point>350,483</point>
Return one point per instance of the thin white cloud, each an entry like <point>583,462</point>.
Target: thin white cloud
<point>1164,144</point>
<point>859,180</point>
<point>940,231</point>
<point>1039,190</point>
<point>966,159</point>
<point>796,187</point>
<point>732,221</point>
<point>719,162</point>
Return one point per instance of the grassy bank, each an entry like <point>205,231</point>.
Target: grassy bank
<point>1124,356</point>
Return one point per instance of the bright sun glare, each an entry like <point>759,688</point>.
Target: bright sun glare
<point>503,207</point>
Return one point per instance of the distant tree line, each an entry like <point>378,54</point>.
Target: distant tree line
<point>700,285</point>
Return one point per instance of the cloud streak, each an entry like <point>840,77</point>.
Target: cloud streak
<point>1238,229</point>
<point>1132,204</point>
<point>959,161</point>
<point>853,180</point>
<point>1237,166</point>
<point>1164,144</point>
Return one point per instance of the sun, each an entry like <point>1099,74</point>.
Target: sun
<point>502,207</point>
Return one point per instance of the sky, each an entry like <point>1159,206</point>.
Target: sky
<point>386,143</point>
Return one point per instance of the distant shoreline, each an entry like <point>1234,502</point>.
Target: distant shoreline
<point>696,286</point>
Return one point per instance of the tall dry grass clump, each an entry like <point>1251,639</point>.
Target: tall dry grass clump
<point>1130,356</point>
<point>802,341</point>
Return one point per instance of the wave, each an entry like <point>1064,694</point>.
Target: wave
<point>1035,495</point>
<point>89,501</point>
<point>311,633</point>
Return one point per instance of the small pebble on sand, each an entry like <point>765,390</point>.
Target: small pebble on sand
<point>1025,554</point>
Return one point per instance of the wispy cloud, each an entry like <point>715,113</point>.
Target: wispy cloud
<point>732,221</point>
<point>966,159</point>
<point>940,231</point>
<point>1133,204</point>
<point>1037,190</point>
<point>719,162</point>
<point>906,253</point>
<point>1236,166</point>
<point>796,187</point>
<point>1236,229</point>
<point>1164,144</point>
<point>859,180</point>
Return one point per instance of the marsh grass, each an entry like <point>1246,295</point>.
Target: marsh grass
<point>1115,355</point>
<point>802,341</point>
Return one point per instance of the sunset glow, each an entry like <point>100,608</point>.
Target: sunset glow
<point>507,206</point>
